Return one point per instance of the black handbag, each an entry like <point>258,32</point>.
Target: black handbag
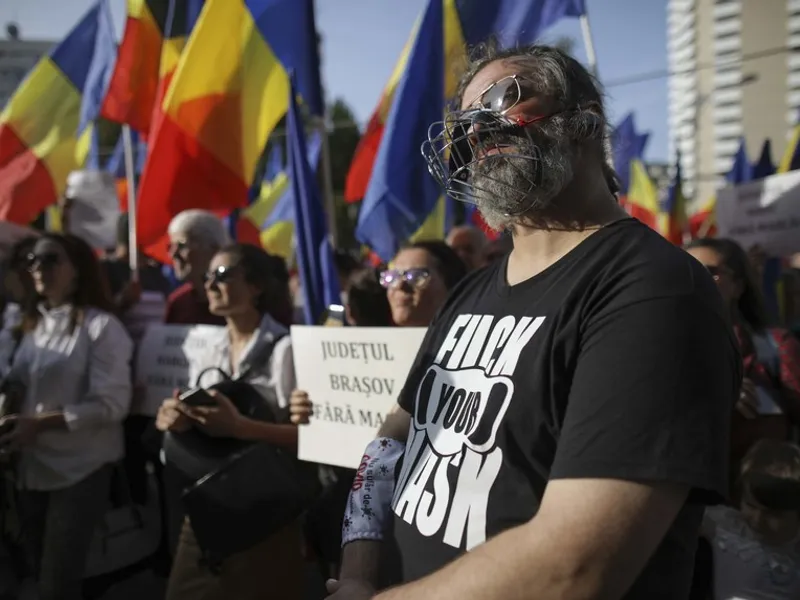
<point>240,492</point>
<point>193,453</point>
<point>257,491</point>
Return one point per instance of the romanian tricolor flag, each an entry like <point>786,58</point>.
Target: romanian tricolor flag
<point>388,170</point>
<point>627,145</point>
<point>272,213</point>
<point>229,91</point>
<point>46,127</point>
<point>674,220</point>
<point>155,34</point>
<point>643,196</point>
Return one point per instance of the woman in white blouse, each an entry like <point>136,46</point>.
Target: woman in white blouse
<point>248,287</point>
<point>73,370</point>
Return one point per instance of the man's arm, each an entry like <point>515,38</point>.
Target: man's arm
<point>590,539</point>
<point>361,558</point>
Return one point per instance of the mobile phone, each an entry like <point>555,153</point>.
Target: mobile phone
<point>334,316</point>
<point>197,397</point>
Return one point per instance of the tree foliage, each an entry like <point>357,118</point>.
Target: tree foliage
<point>343,139</point>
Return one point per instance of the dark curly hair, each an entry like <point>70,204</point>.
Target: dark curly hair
<point>269,274</point>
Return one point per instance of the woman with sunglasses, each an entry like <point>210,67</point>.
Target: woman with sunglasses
<point>73,364</point>
<point>770,399</point>
<point>249,289</point>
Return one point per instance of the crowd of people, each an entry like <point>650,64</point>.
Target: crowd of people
<point>594,412</point>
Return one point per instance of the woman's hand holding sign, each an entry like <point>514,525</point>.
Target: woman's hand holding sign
<point>300,407</point>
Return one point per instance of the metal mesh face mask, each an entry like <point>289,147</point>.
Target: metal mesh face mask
<point>477,141</point>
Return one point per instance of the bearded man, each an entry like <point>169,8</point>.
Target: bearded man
<point>567,416</point>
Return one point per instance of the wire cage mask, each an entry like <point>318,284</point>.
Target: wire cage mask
<point>481,140</point>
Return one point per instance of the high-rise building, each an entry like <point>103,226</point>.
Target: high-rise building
<point>17,57</point>
<point>733,75</point>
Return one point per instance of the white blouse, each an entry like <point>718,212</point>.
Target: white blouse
<point>84,373</point>
<point>273,375</point>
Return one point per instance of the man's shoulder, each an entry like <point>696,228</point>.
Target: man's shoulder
<point>636,264</point>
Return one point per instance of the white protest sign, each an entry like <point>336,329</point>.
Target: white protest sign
<point>166,358</point>
<point>353,375</point>
<point>764,213</point>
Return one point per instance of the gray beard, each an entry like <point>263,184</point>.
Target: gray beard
<point>507,189</point>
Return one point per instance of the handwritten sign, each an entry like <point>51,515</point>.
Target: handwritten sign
<point>764,212</point>
<point>353,375</point>
<point>166,359</point>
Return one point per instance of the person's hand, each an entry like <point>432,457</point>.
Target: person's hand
<point>300,407</point>
<point>170,417</point>
<point>349,589</point>
<point>222,420</point>
<point>747,404</point>
<point>20,431</point>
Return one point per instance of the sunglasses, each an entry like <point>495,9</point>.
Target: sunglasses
<point>416,278</point>
<point>504,94</point>
<point>44,260</point>
<point>219,275</point>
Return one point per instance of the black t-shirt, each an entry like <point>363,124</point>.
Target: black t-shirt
<point>615,362</point>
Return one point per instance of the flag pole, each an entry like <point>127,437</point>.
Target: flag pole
<point>705,227</point>
<point>327,177</point>
<point>588,43</point>
<point>133,246</point>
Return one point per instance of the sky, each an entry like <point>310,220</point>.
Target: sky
<point>362,40</point>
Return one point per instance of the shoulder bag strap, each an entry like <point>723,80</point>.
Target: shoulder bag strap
<point>264,354</point>
<point>199,379</point>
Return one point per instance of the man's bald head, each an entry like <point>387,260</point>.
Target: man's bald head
<point>469,243</point>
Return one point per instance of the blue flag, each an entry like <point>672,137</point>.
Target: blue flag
<point>513,21</point>
<point>91,74</point>
<point>628,145</point>
<point>318,277</point>
<point>764,167</point>
<point>741,170</point>
<point>116,162</point>
<point>401,193</point>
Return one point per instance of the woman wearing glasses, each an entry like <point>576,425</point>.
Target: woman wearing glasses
<point>770,399</point>
<point>249,289</point>
<point>73,367</point>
